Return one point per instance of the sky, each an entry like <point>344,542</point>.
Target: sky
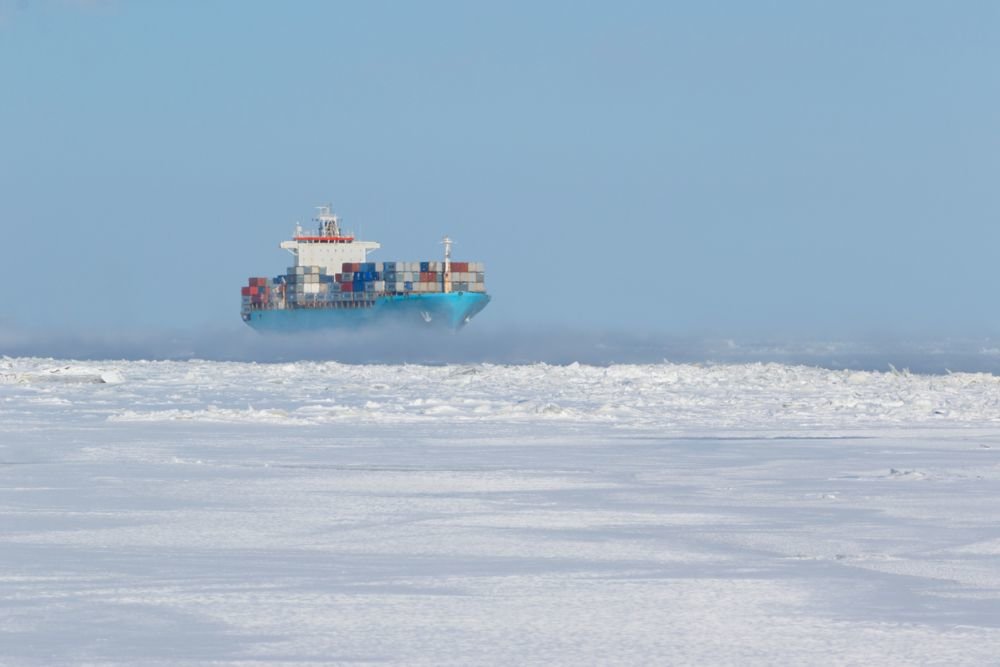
<point>784,169</point>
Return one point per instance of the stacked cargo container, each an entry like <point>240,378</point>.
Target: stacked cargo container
<point>394,278</point>
<point>467,277</point>
<point>359,284</point>
<point>256,293</point>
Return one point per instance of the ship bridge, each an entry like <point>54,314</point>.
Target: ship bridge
<point>328,247</point>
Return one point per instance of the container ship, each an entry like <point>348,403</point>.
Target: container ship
<point>332,285</point>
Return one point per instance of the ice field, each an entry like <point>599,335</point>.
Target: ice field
<point>237,513</point>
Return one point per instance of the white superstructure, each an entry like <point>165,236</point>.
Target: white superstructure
<point>328,247</point>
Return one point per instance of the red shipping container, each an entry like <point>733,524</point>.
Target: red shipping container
<point>245,291</point>
<point>338,277</point>
<point>253,290</point>
<point>432,276</point>
<point>346,287</point>
<point>460,267</point>
<point>345,267</point>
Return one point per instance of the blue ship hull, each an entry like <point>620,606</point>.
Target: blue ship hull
<point>451,311</point>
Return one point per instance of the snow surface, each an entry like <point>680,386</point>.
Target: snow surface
<point>235,513</point>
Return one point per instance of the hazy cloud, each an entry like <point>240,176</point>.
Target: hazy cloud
<point>512,346</point>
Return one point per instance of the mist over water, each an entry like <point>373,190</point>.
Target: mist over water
<point>504,346</point>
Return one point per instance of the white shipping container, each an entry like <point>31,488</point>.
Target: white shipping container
<point>379,285</point>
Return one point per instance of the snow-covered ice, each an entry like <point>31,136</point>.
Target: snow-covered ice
<point>235,513</point>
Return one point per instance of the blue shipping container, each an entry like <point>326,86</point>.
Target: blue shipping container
<point>425,267</point>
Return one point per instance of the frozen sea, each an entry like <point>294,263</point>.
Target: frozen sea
<point>193,512</point>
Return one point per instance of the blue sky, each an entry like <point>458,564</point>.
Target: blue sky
<point>727,168</point>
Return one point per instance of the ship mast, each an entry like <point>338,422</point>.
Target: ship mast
<point>446,278</point>
<point>329,224</point>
